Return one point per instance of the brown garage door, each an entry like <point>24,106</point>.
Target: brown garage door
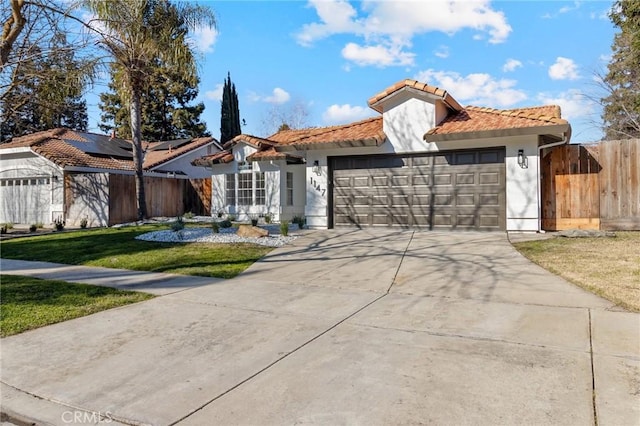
<point>445,190</point>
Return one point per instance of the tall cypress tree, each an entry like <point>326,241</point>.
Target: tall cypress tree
<point>229,112</point>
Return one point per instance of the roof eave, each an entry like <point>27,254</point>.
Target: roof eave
<point>446,98</point>
<point>355,143</point>
<point>168,160</point>
<point>556,129</point>
<point>17,150</point>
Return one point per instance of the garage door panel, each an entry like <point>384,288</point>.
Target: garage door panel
<point>455,190</point>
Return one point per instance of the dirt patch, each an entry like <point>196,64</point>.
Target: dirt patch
<point>608,267</point>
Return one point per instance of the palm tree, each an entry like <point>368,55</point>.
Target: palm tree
<point>137,35</point>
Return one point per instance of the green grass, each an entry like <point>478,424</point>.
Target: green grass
<point>28,303</point>
<point>118,248</point>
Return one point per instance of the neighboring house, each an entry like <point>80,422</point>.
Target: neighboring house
<point>69,175</point>
<point>425,162</point>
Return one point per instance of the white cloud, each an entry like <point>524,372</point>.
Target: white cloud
<point>563,9</point>
<point>511,65</point>
<point>478,89</point>
<point>391,25</point>
<point>376,55</point>
<point>203,38</point>
<point>564,69</point>
<point>573,103</point>
<point>337,114</point>
<point>216,93</point>
<point>442,52</point>
<point>278,97</point>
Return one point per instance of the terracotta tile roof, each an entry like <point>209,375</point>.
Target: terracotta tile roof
<point>52,145</point>
<point>248,139</point>
<point>217,158</point>
<point>475,119</point>
<point>415,85</point>
<point>272,154</point>
<point>368,131</point>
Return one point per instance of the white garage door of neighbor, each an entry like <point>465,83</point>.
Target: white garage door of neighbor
<point>25,200</point>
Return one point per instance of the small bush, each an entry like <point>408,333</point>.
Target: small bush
<point>59,224</point>
<point>178,225</point>
<point>33,227</point>
<point>231,218</point>
<point>3,228</point>
<point>299,220</point>
<point>9,225</point>
<point>39,225</point>
<point>83,223</point>
<point>225,223</point>
<point>284,228</point>
<point>267,218</point>
<point>215,227</point>
<point>189,215</point>
<point>220,214</point>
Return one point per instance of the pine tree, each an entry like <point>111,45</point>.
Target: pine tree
<point>621,112</point>
<point>229,112</point>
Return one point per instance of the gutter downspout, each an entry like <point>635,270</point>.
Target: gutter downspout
<point>564,141</point>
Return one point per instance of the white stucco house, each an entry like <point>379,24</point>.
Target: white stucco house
<point>425,161</point>
<point>69,175</point>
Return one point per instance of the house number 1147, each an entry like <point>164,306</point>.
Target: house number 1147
<point>317,187</point>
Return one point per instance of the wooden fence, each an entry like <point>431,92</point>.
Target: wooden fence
<point>592,186</point>
<point>164,197</point>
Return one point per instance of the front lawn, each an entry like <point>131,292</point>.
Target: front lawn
<point>27,303</point>
<point>608,267</point>
<point>118,248</point>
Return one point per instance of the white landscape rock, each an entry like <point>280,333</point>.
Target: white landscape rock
<point>206,235</point>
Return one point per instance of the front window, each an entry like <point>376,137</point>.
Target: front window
<point>231,190</point>
<point>260,189</point>
<point>289,188</point>
<point>245,189</point>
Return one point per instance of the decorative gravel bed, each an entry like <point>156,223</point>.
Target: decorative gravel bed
<point>226,235</point>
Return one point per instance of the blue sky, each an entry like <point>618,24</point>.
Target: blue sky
<point>331,56</point>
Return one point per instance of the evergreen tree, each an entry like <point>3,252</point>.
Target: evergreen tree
<point>47,93</point>
<point>621,112</point>
<point>165,109</point>
<point>229,112</point>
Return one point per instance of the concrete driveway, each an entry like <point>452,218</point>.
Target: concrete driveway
<point>343,327</point>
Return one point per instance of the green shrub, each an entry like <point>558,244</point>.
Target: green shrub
<point>189,215</point>
<point>3,228</point>
<point>284,228</point>
<point>59,224</point>
<point>299,220</point>
<point>231,217</point>
<point>178,225</point>
<point>215,227</point>
<point>33,227</point>
<point>225,223</point>
<point>39,225</point>
<point>9,225</point>
<point>83,223</point>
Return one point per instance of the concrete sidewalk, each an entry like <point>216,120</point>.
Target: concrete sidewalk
<point>148,282</point>
<point>344,327</point>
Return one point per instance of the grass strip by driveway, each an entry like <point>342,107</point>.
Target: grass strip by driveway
<point>118,248</point>
<point>27,303</point>
<point>608,267</point>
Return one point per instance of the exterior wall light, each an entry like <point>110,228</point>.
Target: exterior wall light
<point>523,161</point>
<point>316,168</point>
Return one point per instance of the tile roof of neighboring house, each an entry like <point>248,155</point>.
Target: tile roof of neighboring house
<point>364,132</point>
<point>413,85</point>
<point>53,145</point>
<point>156,158</point>
<point>477,119</point>
<point>254,141</point>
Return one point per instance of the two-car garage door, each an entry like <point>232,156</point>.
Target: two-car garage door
<point>444,190</point>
